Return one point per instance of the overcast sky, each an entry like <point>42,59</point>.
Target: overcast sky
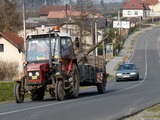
<point>112,0</point>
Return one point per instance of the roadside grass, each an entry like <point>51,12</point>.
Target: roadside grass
<point>6,91</point>
<point>154,108</point>
<point>152,113</point>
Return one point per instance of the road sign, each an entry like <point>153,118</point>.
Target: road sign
<point>121,24</point>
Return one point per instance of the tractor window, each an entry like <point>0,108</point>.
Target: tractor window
<point>38,49</point>
<point>65,51</point>
<point>70,48</point>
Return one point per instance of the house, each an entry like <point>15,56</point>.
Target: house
<point>154,7</point>
<point>8,48</point>
<point>56,15</point>
<point>44,10</point>
<point>73,29</point>
<point>138,8</point>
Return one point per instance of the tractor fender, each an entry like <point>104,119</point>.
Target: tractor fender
<point>70,65</point>
<point>22,80</point>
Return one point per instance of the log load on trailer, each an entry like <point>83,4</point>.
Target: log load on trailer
<point>51,64</point>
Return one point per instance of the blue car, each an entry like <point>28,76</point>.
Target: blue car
<point>127,71</point>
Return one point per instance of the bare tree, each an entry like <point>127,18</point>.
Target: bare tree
<point>9,16</point>
<point>86,10</point>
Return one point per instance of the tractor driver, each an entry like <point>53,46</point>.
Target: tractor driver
<point>33,52</point>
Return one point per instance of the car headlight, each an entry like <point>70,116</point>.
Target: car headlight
<point>30,74</point>
<point>37,73</point>
<point>132,73</point>
<point>119,74</point>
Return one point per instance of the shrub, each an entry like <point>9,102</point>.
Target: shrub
<point>8,70</point>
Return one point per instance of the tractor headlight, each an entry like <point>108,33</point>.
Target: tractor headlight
<point>30,74</point>
<point>37,73</point>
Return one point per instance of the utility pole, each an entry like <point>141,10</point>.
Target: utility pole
<point>24,23</point>
<point>120,23</point>
<point>92,34</point>
<point>96,36</point>
<point>66,19</point>
<point>152,13</point>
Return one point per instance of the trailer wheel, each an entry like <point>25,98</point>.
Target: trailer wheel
<point>59,90</point>
<point>18,94</point>
<point>101,86</point>
<point>73,83</point>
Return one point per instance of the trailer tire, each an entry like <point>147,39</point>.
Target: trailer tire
<point>73,82</point>
<point>19,96</point>
<point>101,86</point>
<point>59,90</point>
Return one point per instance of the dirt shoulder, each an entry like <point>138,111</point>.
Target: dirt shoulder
<point>152,113</point>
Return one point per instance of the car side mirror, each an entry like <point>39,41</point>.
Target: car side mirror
<point>77,42</point>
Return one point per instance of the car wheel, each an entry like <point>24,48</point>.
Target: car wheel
<point>137,77</point>
<point>117,80</point>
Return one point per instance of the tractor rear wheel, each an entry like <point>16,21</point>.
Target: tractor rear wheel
<point>18,94</point>
<point>59,90</point>
<point>73,83</point>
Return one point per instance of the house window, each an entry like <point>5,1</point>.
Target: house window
<point>136,12</point>
<point>129,12</point>
<point>1,48</point>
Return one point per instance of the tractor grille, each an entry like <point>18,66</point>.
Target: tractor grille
<point>33,75</point>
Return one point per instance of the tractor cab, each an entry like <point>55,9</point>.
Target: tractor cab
<point>39,47</point>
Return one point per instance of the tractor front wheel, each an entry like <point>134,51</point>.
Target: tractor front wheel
<point>18,93</point>
<point>59,90</point>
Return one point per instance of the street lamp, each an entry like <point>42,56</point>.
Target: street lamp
<point>113,42</point>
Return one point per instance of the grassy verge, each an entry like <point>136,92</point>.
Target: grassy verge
<point>6,91</point>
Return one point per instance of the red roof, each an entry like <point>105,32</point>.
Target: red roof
<point>139,4</point>
<point>56,14</point>
<point>12,37</point>
<point>62,14</point>
<point>150,2</point>
<point>46,9</point>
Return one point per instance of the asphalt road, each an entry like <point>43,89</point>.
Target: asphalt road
<point>120,99</point>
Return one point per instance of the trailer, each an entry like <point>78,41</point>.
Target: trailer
<point>56,65</point>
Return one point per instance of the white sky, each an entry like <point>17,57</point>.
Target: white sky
<point>112,0</point>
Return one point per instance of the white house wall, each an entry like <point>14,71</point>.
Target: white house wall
<point>155,10</point>
<point>132,13</point>
<point>11,54</point>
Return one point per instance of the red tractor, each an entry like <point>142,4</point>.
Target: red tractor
<point>52,65</point>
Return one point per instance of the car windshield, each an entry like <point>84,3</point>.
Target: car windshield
<point>126,67</point>
<point>38,49</point>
